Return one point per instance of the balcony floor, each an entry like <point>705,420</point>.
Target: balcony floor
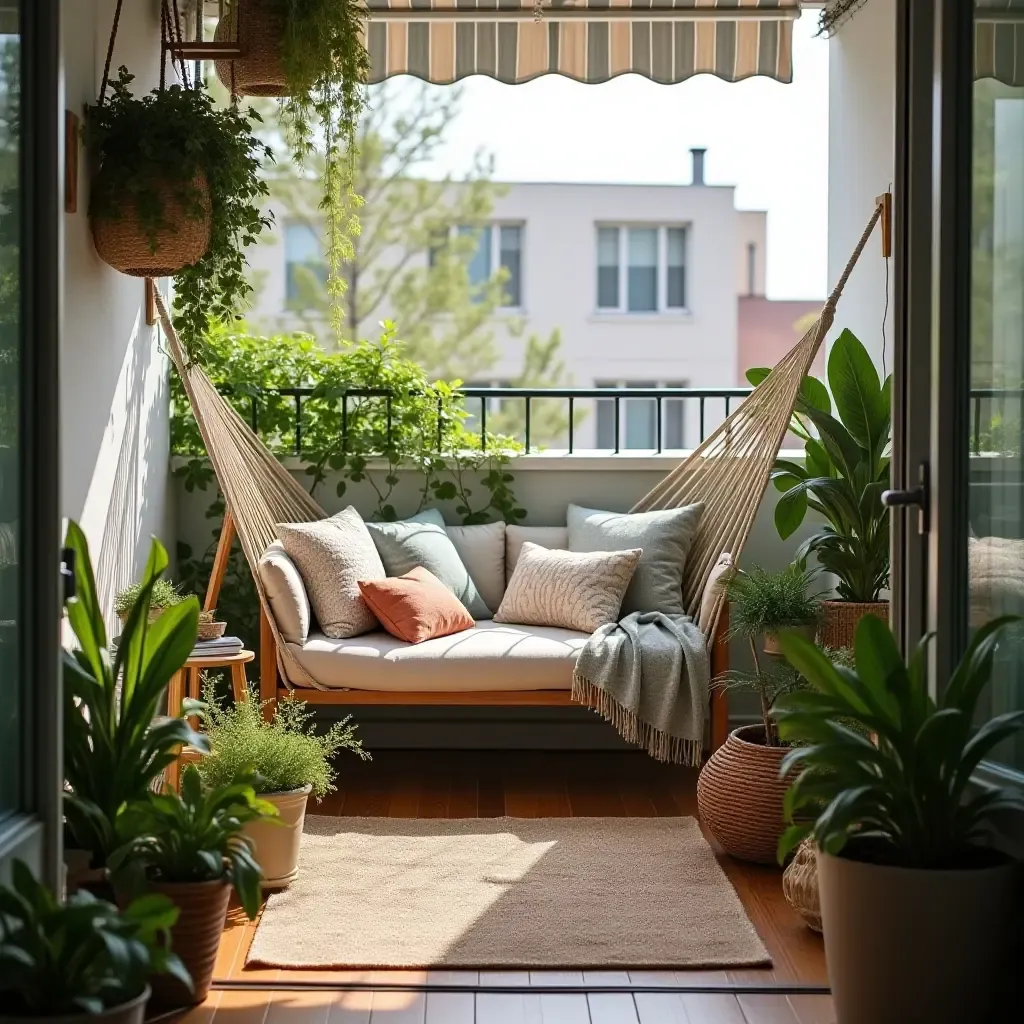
<point>460,784</point>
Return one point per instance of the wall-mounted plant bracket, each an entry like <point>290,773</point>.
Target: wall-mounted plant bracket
<point>885,221</point>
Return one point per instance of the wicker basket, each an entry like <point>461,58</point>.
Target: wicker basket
<point>211,630</point>
<point>800,885</point>
<point>154,614</point>
<point>125,246</point>
<point>739,795</point>
<point>261,27</point>
<point>840,618</point>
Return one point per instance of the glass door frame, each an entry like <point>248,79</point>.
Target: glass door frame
<point>34,833</point>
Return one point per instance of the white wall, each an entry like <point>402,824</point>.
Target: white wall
<point>114,403</point>
<point>862,104</point>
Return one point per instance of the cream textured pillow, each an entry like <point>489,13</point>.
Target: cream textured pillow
<point>332,556</point>
<point>288,599</point>
<point>572,589</point>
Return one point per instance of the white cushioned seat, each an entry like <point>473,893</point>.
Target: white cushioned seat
<point>491,656</point>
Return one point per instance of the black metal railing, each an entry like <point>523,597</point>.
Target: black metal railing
<point>996,413</point>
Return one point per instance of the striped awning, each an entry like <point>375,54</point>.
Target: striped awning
<point>999,40</point>
<point>590,40</point>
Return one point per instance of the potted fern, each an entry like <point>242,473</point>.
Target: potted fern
<point>916,903</point>
<point>761,603</point>
<point>291,761</point>
<point>162,595</point>
<point>83,960</point>
<point>312,53</point>
<point>191,849</point>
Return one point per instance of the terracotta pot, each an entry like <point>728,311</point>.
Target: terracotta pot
<point>276,842</point>
<point>195,937</point>
<point>124,245</point>
<point>906,944</point>
<point>739,795</point>
<point>132,1012</point>
<point>800,885</point>
<point>840,618</point>
<point>260,29</point>
<point>771,640</point>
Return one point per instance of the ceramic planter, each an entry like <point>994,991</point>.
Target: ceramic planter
<point>840,618</point>
<point>276,842</point>
<point>907,944</point>
<point>771,640</point>
<point>132,1012</point>
<point>195,937</point>
<point>739,795</point>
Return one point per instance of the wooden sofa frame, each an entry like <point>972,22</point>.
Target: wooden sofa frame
<point>271,687</point>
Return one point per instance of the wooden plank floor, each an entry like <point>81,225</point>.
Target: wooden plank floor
<point>531,784</point>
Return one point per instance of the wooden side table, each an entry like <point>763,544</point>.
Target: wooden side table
<point>186,683</point>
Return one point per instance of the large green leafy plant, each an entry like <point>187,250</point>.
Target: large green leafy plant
<point>361,440</point>
<point>80,957</point>
<point>115,744</point>
<point>194,836</point>
<point>172,138</point>
<point>286,752</point>
<point>845,470</point>
<point>903,799</point>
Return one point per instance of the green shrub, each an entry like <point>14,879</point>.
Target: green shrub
<point>765,602</point>
<point>285,752</point>
<point>164,594</point>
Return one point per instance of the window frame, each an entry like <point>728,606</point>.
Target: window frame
<point>294,304</point>
<point>662,307</point>
<point>495,227</point>
<point>625,386</point>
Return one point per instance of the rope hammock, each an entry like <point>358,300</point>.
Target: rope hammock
<point>729,472</point>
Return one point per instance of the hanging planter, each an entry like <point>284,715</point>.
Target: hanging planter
<point>258,27</point>
<point>177,191</point>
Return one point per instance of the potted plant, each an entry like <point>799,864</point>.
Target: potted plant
<point>82,960</point>
<point>915,902</point>
<point>740,790</point>
<point>162,596</point>
<point>177,191</point>
<point>116,742</point>
<point>190,848</point>
<point>291,761</point>
<point>845,470</point>
<point>312,52</point>
<point>761,603</point>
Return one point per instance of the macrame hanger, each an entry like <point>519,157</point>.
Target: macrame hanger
<point>110,53</point>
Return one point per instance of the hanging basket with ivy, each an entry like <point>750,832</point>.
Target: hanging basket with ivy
<point>319,47</point>
<point>177,192</point>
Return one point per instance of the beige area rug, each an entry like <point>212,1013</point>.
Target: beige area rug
<point>506,892</point>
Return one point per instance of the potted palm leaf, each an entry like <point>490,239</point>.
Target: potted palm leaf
<point>116,741</point>
<point>291,762</point>
<point>844,472</point>
<point>190,848</point>
<point>916,903</point>
<point>83,960</point>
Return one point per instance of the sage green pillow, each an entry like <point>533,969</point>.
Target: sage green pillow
<point>422,540</point>
<point>665,538</point>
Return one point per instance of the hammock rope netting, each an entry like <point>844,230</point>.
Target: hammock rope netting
<point>728,472</point>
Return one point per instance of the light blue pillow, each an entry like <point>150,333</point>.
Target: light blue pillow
<point>665,536</point>
<point>422,540</point>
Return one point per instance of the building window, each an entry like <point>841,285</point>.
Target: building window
<point>638,417</point>
<point>305,270</point>
<point>497,246</point>
<point>641,269</point>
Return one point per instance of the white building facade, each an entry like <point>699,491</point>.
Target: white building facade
<point>640,280</point>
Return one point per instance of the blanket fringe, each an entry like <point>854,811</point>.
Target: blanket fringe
<point>660,745</point>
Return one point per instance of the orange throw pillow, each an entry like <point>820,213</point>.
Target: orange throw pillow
<point>415,607</point>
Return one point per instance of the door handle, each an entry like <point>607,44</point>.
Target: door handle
<point>918,496</point>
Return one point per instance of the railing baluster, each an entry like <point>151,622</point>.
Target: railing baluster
<point>440,425</point>
<point>254,414</point>
<point>483,423</point>
<point>977,425</point>
<point>701,418</point>
<point>344,421</point>
<point>617,407</point>
<point>527,424</point>
<point>387,402</point>
<point>298,423</point>
<point>572,424</point>
<point>657,407</point>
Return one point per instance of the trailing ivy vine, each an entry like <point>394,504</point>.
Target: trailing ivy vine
<point>424,433</point>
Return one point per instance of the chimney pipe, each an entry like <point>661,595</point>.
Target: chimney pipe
<point>698,165</point>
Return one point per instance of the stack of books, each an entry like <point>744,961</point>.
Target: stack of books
<point>222,648</point>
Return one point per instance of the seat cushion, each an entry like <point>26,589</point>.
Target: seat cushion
<point>665,536</point>
<point>490,656</point>
<point>416,607</point>
<point>544,536</point>
<point>286,593</point>
<point>422,540</point>
<point>482,550</point>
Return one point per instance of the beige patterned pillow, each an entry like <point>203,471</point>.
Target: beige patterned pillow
<point>574,589</point>
<point>332,556</point>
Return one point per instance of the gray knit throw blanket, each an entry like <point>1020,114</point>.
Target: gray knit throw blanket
<point>649,675</point>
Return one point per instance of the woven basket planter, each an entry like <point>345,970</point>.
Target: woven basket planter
<point>840,618</point>
<point>800,885</point>
<point>739,795</point>
<point>260,72</point>
<point>124,245</point>
<point>203,909</point>
<point>211,630</point>
<point>154,614</point>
